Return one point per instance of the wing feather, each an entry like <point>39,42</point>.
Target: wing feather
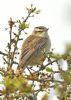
<point>30,47</point>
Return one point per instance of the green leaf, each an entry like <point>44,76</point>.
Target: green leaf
<point>7,81</point>
<point>24,26</point>
<point>68,47</point>
<point>38,11</point>
<point>16,83</point>
<point>49,69</point>
<point>56,56</point>
<point>34,9</point>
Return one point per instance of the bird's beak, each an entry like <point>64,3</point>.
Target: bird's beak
<point>47,29</point>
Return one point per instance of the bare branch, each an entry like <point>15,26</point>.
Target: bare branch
<point>2,53</point>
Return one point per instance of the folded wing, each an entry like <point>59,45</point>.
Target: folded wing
<point>29,49</point>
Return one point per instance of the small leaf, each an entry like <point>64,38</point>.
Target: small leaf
<point>49,69</point>
<point>8,81</point>
<point>33,9</point>
<point>24,26</point>
<point>56,56</point>
<point>38,11</point>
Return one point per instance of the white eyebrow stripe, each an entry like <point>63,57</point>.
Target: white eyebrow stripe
<point>37,29</point>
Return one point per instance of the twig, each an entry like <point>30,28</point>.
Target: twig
<point>19,33</point>
<point>2,53</point>
<point>44,66</point>
<point>16,45</point>
<point>10,46</point>
<point>15,62</point>
<point>42,80</point>
<point>11,23</point>
<point>27,17</point>
<point>5,61</point>
<point>51,62</point>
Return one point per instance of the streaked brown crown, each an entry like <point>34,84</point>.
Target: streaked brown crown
<point>40,29</point>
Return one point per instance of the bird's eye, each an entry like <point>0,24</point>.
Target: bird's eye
<point>39,31</point>
<point>36,32</point>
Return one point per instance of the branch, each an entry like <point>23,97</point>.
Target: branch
<point>42,80</point>
<point>19,33</point>
<point>15,62</point>
<point>51,62</point>
<point>44,66</point>
<point>27,17</point>
<point>10,46</point>
<point>5,61</point>
<point>2,53</point>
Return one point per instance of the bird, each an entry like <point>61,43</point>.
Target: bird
<point>35,47</point>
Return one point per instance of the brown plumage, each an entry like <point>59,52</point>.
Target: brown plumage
<point>33,49</point>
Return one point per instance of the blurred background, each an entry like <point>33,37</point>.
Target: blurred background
<point>55,15</point>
